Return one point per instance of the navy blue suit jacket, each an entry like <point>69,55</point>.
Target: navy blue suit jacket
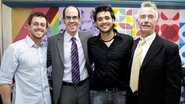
<point>160,74</point>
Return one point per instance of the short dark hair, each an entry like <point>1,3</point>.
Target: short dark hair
<point>71,6</point>
<point>100,8</point>
<point>36,14</point>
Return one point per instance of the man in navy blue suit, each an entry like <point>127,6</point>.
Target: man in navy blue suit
<point>159,80</point>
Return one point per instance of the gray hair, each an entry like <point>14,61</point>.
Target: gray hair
<point>149,4</point>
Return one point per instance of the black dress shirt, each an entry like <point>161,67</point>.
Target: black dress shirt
<point>110,63</point>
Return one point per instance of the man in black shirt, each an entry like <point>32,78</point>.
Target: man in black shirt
<point>110,53</point>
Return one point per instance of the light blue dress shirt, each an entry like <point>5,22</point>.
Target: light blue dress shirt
<point>26,62</point>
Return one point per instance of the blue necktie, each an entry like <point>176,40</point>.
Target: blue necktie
<point>75,62</point>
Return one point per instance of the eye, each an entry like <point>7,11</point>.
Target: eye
<point>42,24</point>
<point>151,17</point>
<point>67,17</point>
<point>35,24</point>
<point>107,18</point>
<point>71,17</point>
<point>99,19</point>
<point>142,16</point>
<point>75,17</point>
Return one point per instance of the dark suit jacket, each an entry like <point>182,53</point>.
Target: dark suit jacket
<point>55,57</point>
<point>160,74</point>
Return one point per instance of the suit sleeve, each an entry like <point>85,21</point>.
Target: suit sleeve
<point>49,53</point>
<point>89,51</point>
<point>173,75</point>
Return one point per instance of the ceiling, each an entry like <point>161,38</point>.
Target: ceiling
<point>98,0</point>
<point>123,3</point>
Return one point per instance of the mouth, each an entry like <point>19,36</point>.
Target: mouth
<point>145,26</point>
<point>39,30</point>
<point>72,26</point>
<point>104,26</point>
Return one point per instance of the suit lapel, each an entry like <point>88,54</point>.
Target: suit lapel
<point>153,50</point>
<point>60,45</point>
<point>133,50</point>
<point>134,46</point>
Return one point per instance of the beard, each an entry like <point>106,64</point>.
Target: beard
<point>107,31</point>
<point>39,29</point>
<point>37,37</point>
<point>38,34</point>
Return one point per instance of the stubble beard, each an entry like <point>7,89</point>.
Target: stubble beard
<point>107,30</point>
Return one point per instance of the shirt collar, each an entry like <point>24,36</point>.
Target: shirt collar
<point>31,43</point>
<point>116,35</point>
<point>68,36</point>
<point>150,37</point>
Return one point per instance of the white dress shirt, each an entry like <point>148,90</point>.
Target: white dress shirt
<point>149,39</point>
<point>67,58</point>
<point>27,64</point>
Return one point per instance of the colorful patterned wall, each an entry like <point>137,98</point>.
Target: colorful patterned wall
<point>171,24</point>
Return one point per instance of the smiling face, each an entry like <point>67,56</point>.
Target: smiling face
<point>72,20</point>
<point>104,21</point>
<point>38,28</point>
<point>147,21</point>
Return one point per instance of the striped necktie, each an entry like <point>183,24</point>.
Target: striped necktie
<point>75,62</point>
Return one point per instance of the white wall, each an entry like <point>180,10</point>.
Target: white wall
<point>6,26</point>
<point>0,32</point>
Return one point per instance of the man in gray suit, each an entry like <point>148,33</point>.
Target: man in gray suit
<point>67,53</point>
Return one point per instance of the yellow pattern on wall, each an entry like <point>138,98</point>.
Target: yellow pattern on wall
<point>19,16</point>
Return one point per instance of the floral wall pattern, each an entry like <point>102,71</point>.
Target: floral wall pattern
<point>171,25</point>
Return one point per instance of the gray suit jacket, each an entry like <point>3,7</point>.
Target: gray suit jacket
<point>55,57</point>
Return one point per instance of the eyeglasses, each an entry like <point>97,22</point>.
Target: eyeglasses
<point>36,24</point>
<point>68,18</point>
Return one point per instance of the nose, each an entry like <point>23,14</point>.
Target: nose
<point>39,26</point>
<point>145,22</point>
<point>104,20</point>
<point>71,20</point>
<point>146,19</point>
